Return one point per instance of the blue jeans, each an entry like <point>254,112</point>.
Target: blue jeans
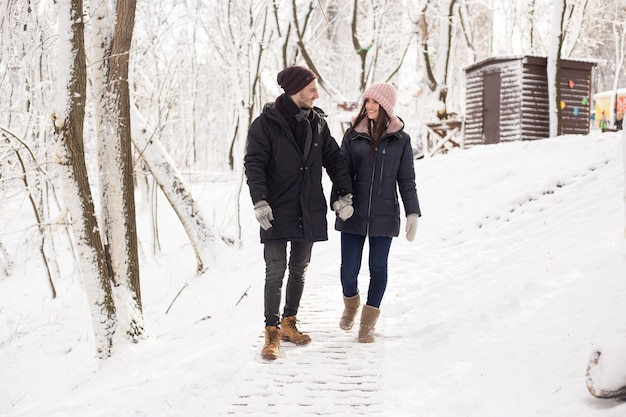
<point>351,254</point>
<point>275,253</point>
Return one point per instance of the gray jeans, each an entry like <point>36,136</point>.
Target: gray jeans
<point>275,253</point>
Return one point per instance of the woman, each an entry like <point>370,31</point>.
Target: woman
<point>380,159</point>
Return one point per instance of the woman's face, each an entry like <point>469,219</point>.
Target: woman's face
<point>372,108</point>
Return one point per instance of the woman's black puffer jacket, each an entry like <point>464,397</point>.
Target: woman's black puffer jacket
<point>376,179</point>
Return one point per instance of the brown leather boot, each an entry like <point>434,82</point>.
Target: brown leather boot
<point>369,316</point>
<point>351,308</point>
<point>291,333</point>
<point>272,343</point>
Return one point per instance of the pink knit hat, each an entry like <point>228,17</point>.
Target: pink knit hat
<point>384,94</point>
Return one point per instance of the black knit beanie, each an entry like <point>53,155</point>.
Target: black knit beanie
<point>295,78</point>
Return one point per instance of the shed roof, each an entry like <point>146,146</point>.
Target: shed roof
<point>531,59</point>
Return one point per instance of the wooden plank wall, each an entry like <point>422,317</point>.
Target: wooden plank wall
<point>576,121</point>
<point>534,102</point>
<point>510,101</point>
<point>510,91</point>
<point>524,105</point>
<point>474,109</point>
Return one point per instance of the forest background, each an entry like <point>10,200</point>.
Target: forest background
<point>107,101</point>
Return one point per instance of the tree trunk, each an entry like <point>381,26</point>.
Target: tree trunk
<point>359,49</point>
<point>37,197</point>
<point>445,44</point>
<point>113,29</point>
<point>68,120</point>
<point>554,68</point>
<point>300,29</point>
<point>423,36</point>
<point>176,190</point>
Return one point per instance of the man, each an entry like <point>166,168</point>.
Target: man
<point>288,144</point>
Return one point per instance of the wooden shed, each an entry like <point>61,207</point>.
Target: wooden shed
<point>507,99</point>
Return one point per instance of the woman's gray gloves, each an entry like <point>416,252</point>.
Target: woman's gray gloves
<point>411,226</point>
<point>343,207</point>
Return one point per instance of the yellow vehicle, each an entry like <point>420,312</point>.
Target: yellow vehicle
<point>604,109</point>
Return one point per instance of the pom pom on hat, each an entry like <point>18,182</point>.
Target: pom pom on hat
<point>295,78</point>
<point>384,94</point>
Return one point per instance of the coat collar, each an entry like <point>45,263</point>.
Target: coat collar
<point>395,125</point>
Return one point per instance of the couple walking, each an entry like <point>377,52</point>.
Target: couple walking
<point>288,145</point>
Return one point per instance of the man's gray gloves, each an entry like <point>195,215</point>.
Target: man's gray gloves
<point>343,207</point>
<point>263,213</point>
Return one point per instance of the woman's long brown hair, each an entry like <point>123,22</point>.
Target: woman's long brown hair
<point>375,128</point>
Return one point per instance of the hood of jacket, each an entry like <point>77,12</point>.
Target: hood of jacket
<point>395,125</point>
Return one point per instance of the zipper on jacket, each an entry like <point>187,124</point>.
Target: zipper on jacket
<point>371,192</point>
<point>280,137</point>
<point>382,170</point>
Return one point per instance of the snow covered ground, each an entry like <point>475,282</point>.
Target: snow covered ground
<point>516,276</point>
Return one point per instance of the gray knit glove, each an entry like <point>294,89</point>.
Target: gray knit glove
<point>411,226</point>
<point>263,213</point>
<point>343,207</point>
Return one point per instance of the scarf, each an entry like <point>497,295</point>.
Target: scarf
<point>299,121</point>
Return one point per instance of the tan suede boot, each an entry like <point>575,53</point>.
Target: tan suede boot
<point>291,333</point>
<point>272,343</point>
<point>369,316</point>
<point>351,308</point>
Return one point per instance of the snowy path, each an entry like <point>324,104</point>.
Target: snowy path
<point>515,278</point>
<point>352,371</point>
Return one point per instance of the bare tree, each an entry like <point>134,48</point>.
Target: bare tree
<point>23,33</point>
<point>424,34</point>
<point>68,120</point>
<point>35,196</point>
<point>283,34</point>
<point>531,19</point>
<point>361,49</point>
<point>554,66</point>
<point>305,23</point>
<point>300,30</point>
<point>380,53</point>
<point>439,77</point>
<point>240,34</point>
<point>574,18</point>
<point>466,26</point>
<point>175,189</point>
<point>566,21</point>
<point>113,29</point>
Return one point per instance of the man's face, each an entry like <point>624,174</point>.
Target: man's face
<point>304,98</point>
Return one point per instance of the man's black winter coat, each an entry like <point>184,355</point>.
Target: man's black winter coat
<point>289,177</point>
